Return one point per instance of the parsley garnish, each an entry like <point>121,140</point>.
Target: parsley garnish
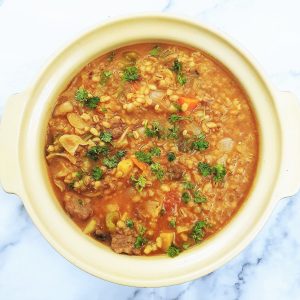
<point>175,118</point>
<point>177,66</point>
<point>200,144</point>
<point>198,198</point>
<point>154,131</point>
<point>140,241</point>
<point>172,223</point>
<point>185,197</point>
<point>157,170</point>
<point>155,51</point>
<point>204,168</point>
<point>106,136</point>
<point>95,151</point>
<point>82,96</point>
<point>144,157</point>
<point>139,182</point>
<point>173,251</point>
<point>171,156</point>
<point>97,173</point>
<point>129,223</point>
<point>197,232</point>
<point>219,172</point>
<point>155,151</point>
<point>130,73</point>
<point>112,162</point>
<point>173,132</point>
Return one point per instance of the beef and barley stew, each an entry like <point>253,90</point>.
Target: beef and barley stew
<point>152,148</point>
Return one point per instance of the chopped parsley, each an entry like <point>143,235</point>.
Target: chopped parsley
<point>155,151</point>
<point>199,198</point>
<point>154,131</point>
<point>173,251</point>
<point>106,136</point>
<point>197,232</point>
<point>95,151</point>
<point>171,156</point>
<point>130,73</point>
<point>173,132</point>
<point>144,157</point>
<point>185,197</point>
<point>81,95</point>
<point>157,170</point>
<point>204,169</point>
<point>200,144</point>
<point>181,78</point>
<point>219,172</point>
<point>139,182</point>
<point>177,68</point>
<point>175,118</point>
<point>140,241</point>
<point>155,51</point>
<point>104,77</point>
<point>188,185</point>
<point>172,223</point>
<point>129,223</point>
<point>112,162</point>
<point>97,173</point>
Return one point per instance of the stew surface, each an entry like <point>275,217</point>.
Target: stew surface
<point>152,148</point>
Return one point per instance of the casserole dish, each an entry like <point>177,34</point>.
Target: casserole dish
<point>23,168</point>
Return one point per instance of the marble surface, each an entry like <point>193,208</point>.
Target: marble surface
<point>30,31</point>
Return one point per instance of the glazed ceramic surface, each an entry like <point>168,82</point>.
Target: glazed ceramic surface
<point>23,169</point>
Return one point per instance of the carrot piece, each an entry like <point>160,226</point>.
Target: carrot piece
<point>143,166</point>
<point>191,102</point>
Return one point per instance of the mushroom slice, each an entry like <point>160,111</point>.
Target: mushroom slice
<point>72,159</point>
<point>71,142</point>
<point>63,109</point>
<point>76,121</point>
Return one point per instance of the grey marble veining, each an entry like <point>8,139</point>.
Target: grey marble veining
<point>30,31</point>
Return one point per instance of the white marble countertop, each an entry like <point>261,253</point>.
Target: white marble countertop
<point>30,31</point>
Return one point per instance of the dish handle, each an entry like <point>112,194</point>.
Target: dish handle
<point>10,126</point>
<point>289,111</point>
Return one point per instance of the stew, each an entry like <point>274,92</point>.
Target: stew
<point>152,148</point>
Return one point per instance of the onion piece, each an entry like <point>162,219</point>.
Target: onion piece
<point>156,95</point>
<point>72,159</point>
<point>70,142</point>
<point>225,144</point>
<point>76,121</point>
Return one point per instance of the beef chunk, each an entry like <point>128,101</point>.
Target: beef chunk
<point>117,127</point>
<point>175,173</point>
<point>122,243</point>
<point>77,206</point>
<point>101,235</point>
